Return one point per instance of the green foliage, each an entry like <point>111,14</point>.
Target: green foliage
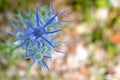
<point>6,50</point>
<point>102,3</point>
<point>13,4</point>
<point>111,49</point>
<point>82,6</point>
<point>96,35</point>
<point>86,6</point>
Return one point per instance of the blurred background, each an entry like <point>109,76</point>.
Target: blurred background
<point>92,41</point>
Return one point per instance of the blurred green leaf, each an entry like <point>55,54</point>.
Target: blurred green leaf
<point>102,3</point>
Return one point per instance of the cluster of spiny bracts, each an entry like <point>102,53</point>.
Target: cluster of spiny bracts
<point>37,34</point>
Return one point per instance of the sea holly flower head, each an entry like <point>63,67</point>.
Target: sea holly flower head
<point>39,58</point>
<point>37,34</point>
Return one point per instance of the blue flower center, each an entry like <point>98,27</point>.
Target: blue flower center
<point>38,32</point>
<point>38,56</point>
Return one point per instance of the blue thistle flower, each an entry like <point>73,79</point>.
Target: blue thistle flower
<point>37,35</point>
<point>38,57</point>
